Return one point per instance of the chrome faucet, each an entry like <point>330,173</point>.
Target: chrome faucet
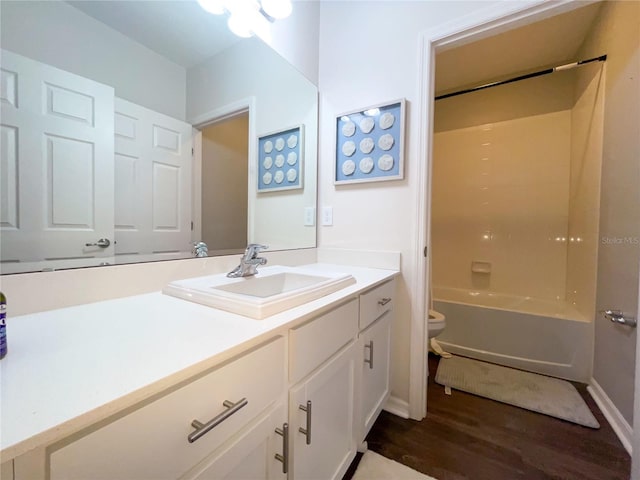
<point>200,249</point>
<point>249,261</point>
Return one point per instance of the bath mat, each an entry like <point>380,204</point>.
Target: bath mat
<point>547,395</point>
<point>376,467</point>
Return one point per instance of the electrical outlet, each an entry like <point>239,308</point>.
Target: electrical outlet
<point>327,216</point>
<point>309,216</point>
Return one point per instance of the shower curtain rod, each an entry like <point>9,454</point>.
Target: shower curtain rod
<point>559,68</point>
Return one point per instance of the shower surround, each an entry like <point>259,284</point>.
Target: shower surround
<point>515,210</point>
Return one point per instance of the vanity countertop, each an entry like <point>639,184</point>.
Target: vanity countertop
<point>69,368</point>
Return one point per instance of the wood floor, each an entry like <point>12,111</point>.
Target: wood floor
<point>470,437</point>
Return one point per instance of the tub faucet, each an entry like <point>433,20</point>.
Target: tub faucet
<point>249,261</point>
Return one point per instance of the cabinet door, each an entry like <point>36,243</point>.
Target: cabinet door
<point>251,456</point>
<point>375,358</point>
<point>327,448</point>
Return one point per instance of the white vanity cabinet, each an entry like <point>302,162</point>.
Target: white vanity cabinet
<point>295,405</point>
<point>321,401</point>
<point>374,355</point>
<point>157,440</point>
<point>256,454</point>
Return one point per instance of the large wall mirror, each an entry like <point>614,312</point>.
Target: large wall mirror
<point>131,130</point>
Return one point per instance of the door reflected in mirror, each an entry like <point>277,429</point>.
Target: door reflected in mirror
<point>225,150</point>
<point>116,126</point>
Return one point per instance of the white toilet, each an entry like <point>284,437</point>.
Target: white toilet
<point>436,323</point>
<point>436,326</point>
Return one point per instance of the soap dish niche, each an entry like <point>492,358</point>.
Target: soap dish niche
<point>481,267</point>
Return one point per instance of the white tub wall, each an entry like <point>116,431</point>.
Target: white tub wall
<point>505,179</point>
<point>584,197</point>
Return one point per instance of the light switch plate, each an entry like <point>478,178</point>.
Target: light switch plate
<point>309,216</point>
<point>327,216</point>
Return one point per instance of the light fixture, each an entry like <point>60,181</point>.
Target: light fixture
<point>212,6</point>
<point>277,8</point>
<point>243,18</point>
<point>249,17</point>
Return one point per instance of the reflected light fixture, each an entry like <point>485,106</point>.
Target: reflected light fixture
<point>212,6</point>
<point>277,8</point>
<point>249,17</point>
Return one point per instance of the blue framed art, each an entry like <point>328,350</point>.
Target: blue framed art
<point>370,144</point>
<point>281,160</point>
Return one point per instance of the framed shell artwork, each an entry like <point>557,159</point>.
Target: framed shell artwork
<point>370,144</point>
<point>280,160</point>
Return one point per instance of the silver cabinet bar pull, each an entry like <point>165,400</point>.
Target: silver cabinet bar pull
<point>617,316</point>
<point>102,243</point>
<point>204,428</point>
<point>284,458</point>
<point>370,359</point>
<point>383,301</point>
<point>306,431</point>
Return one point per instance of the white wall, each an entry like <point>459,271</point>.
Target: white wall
<point>60,35</point>
<point>296,38</point>
<point>284,99</point>
<point>369,54</point>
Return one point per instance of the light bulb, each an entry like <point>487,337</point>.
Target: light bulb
<point>240,25</point>
<point>212,6</point>
<point>277,8</point>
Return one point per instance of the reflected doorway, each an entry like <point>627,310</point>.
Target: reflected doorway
<point>224,198</point>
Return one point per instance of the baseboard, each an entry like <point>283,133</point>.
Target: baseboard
<point>397,407</point>
<point>612,414</point>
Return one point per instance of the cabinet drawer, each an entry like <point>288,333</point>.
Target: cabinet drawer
<point>315,341</point>
<point>376,302</point>
<point>151,442</point>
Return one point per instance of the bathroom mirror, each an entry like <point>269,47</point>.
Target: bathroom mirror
<point>170,71</point>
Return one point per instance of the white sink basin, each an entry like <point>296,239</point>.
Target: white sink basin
<point>272,290</point>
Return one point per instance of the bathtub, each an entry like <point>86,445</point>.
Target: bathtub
<point>542,336</point>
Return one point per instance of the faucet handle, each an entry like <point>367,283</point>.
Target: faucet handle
<point>254,248</point>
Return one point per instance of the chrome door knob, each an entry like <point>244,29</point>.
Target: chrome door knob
<point>102,243</point>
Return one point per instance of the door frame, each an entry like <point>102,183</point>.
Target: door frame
<point>476,26</point>
<point>244,105</point>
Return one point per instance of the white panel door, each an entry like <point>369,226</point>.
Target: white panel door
<point>153,181</point>
<point>56,188</point>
